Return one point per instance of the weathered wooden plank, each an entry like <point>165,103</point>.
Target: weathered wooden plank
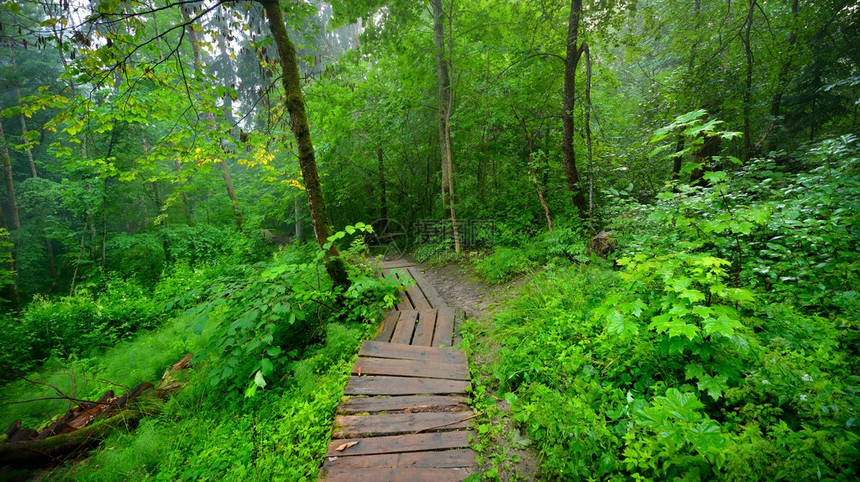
<point>424,331</point>
<point>431,459</point>
<point>419,301</point>
<point>405,303</point>
<point>401,443</point>
<point>350,426</point>
<point>444,333</point>
<point>427,288</point>
<point>405,327</point>
<point>410,368</point>
<point>397,263</point>
<point>410,474</point>
<point>415,403</point>
<point>411,352</point>
<point>404,386</point>
<point>386,329</point>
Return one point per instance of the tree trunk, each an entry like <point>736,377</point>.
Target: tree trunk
<point>10,185</point>
<point>295,104</point>
<point>676,164</point>
<point>710,148</point>
<point>569,102</point>
<point>785,68</point>
<point>383,201</point>
<point>29,149</point>
<point>748,145</point>
<point>532,171</point>
<point>587,53</point>
<point>210,117</point>
<point>445,109</point>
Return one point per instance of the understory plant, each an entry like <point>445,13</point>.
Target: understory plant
<point>719,346</point>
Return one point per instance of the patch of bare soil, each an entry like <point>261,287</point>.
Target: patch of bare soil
<point>465,292</point>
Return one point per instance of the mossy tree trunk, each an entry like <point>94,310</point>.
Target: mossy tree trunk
<point>295,104</point>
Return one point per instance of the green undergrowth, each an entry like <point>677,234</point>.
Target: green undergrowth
<point>281,433</point>
<point>523,255</point>
<point>719,342</point>
<point>272,340</point>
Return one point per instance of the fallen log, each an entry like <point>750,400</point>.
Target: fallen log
<point>85,426</point>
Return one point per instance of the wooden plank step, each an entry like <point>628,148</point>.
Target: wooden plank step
<point>397,263</point>
<point>427,288</point>
<point>416,296</point>
<point>405,327</point>
<point>386,329</point>
<point>444,334</point>
<point>411,474</point>
<point>410,368</point>
<point>424,330</point>
<point>378,349</point>
<point>401,443</point>
<point>413,403</point>
<point>351,426</point>
<point>382,385</point>
<point>405,303</point>
<point>441,459</point>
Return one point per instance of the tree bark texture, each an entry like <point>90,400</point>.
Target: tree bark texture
<point>445,109</point>
<point>295,103</point>
<point>748,146</point>
<point>569,102</point>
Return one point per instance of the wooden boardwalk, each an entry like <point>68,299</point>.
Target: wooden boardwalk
<point>404,416</point>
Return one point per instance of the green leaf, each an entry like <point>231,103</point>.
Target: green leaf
<point>259,380</point>
<point>267,367</point>
<point>715,386</point>
<point>723,325</point>
<point>619,325</point>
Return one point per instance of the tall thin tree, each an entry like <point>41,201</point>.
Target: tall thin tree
<point>295,104</point>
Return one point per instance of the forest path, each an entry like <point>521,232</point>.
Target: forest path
<point>404,414</point>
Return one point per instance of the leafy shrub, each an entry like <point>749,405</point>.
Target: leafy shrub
<point>560,246</point>
<point>77,325</point>
<point>724,347</point>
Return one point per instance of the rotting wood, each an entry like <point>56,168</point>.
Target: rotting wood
<point>86,425</point>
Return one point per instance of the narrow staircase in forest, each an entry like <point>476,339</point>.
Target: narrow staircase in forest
<point>404,415</point>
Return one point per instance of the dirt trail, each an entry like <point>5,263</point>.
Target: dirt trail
<point>462,290</point>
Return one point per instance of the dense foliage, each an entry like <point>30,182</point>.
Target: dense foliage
<point>709,353</point>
